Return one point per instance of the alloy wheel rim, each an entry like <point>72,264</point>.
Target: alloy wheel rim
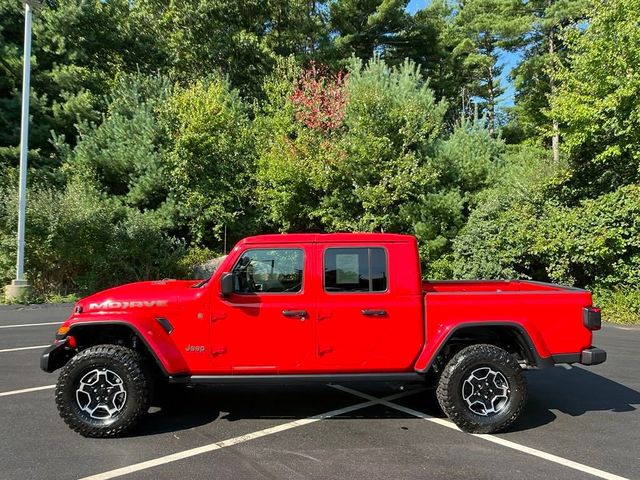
<point>486,392</point>
<point>101,394</point>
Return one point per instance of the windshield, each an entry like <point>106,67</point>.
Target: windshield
<point>207,269</point>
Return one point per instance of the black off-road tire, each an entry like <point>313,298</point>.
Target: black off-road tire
<point>459,368</point>
<point>129,366</point>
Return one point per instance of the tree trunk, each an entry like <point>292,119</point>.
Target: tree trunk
<point>491,103</point>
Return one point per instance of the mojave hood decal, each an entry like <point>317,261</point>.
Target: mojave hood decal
<point>116,304</point>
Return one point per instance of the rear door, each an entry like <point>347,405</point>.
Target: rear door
<point>366,322</point>
<point>266,326</point>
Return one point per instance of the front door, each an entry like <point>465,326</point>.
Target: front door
<point>266,325</point>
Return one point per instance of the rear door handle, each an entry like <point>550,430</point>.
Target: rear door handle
<point>301,314</point>
<point>374,313</point>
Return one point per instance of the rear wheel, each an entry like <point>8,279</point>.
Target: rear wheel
<point>482,389</point>
<point>103,391</point>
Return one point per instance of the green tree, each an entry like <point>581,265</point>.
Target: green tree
<point>241,40</point>
<point>367,27</point>
<point>290,155</point>
<point>392,121</point>
<point>463,164</point>
<point>499,238</point>
<point>430,42</point>
<point>79,48</point>
<point>483,28</point>
<point>356,175</point>
<point>535,78</point>
<point>125,151</point>
<point>11,38</point>
<point>210,160</point>
<point>597,102</point>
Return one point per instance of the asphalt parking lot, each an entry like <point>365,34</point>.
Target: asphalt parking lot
<point>579,423</point>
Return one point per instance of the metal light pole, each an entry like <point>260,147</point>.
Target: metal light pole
<point>19,288</point>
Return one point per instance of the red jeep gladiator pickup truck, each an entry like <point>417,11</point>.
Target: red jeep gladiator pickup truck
<point>317,308</point>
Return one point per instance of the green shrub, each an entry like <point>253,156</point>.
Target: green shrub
<point>596,243</point>
<point>499,238</point>
<point>461,165</point>
<point>140,249</point>
<point>80,241</point>
<point>194,258</point>
<point>519,230</point>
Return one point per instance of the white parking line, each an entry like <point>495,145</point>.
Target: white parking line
<point>30,325</point>
<point>26,390</point>
<point>6,350</point>
<point>241,439</point>
<point>490,438</point>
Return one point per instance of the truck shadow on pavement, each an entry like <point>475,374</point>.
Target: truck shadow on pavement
<point>194,407</point>
<point>572,392</point>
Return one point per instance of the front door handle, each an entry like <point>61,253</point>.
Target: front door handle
<point>301,314</point>
<point>374,313</point>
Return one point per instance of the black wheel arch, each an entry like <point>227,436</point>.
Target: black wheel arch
<point>511,336</point>
<point>89,334</point>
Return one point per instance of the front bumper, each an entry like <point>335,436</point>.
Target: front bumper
<point>55,356</point>
<point>588,356</point>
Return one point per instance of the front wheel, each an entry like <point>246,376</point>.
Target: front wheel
<point>482,389</point>
<point>103,391</point>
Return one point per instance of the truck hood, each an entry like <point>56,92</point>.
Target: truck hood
<point>139,295</point>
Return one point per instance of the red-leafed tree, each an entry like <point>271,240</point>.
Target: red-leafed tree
<point>320,98</point>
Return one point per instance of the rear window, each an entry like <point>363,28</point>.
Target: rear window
<point>355,270</point>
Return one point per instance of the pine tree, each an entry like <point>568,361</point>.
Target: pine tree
<point>430,41</point>
<point>484,27</point>
<point>367,27</point>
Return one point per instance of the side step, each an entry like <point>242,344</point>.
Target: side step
<point>295,379</point>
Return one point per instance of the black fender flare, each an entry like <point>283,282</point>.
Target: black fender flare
<point>58,354</point>
<point>522,336</point>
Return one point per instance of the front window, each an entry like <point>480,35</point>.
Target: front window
<point>278,270</point>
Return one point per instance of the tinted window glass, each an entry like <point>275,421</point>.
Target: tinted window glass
<point>355,270</point>
<point>276,270</point>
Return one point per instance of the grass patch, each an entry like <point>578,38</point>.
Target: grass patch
<point>38,299</point>
<point>619,306</point>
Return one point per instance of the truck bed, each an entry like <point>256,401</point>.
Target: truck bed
<point>492,286</point>
<point>551,315</point>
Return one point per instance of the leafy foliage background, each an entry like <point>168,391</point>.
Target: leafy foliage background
<point>159,125</point>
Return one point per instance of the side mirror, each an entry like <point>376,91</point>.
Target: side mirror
<point>227,284</point>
